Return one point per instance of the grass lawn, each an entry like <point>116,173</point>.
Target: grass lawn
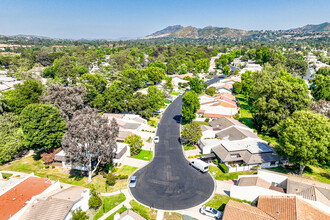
<point>6,175</point>
<point>34,164</point>
<point>219,175</point>
<point>175,93</point>
<point>144,155</point>
<point>167,102</point>
<point>173,216</point>
<point>245,109</point>
<point>310,172</point>
<point>219,201</point>
<point>121,210</point>
<point>109,202</point>
<point>145,212</point>
<point>126,170</point>
<point>188,147</point>
<point>202,123</point>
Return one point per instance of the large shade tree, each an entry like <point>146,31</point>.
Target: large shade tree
<point>190,105</point>
<point>67,99</point>
<point>42,126</point>
<point>11,136</point>
<point>304,139</point>
<point>90,140</point>
<point>22,95</point>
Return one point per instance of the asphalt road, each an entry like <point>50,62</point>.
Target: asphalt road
<point>168,182</point>
<point>215,79</point>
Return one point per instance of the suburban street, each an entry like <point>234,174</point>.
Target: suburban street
<point>168,182</point>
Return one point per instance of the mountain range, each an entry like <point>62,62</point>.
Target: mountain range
<point>210,32</point>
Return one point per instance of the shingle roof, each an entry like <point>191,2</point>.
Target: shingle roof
<point>240,211</point>
<point>253,181</point>
<point>224,122</point>
<point>235,133</point>
<point>15,199</point>
<point>290,208</point>
<point>309,190</point>
<point>55,206</point>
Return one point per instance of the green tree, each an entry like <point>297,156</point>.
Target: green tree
<point>196,84</point>
<point>321,87</point>
<point>139,104</point>
<point>182,69</point>
<point>155,74</point>
<point>325,71</point>
<point>66,69</point>
<point>11,141</point>
<point>202,64</point>
<point>135,143</point>
<point>158,64</point>
<point>94,201</point>
<point>42,126</point>
<point>78,214</point>
<point>155,98</point>
<point>95,85</point>
<point>190,105</point>
<point>297,67</point>
<point>237,87</point>
<point>192,132</point>
<point>116,97</point>
<point>304,139</point>
<point>22,95</point>
<point>210,91</point>
<point>134,78</point>
<point>226,70</point>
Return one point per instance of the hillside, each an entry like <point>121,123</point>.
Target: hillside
<point>314,28</point>
<point>211,32</point>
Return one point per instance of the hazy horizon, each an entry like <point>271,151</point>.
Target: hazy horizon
<point>131,19</point>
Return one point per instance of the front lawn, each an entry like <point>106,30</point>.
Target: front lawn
<point>245,110</point>
<point>108,203</point>
<point>144,155</point>
<point>172,216</point>
<point>219,175</point>
<point>34,164</point>
<point>175,93</point>
<point>188,146</point>
<point>121,210</point>
<point>219,202</point>
<point>310,172</point>
<point>126,170</point>
<point>202,123</point>
<point>145,212</point>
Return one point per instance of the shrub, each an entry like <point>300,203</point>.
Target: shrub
<point>105,176</point>
<point>223,168</point>
<point>78,214</point>
<point>122,177</point>
<point>216,162</point>
<point>47,166</point>
<point>94,201</point>
<point>49,156</point>
<point>53,166</point>
<point>236,116</point>
<point>207,119</point>
<point>149,140</point>
<point>111,179</point>
<point>135,143</point>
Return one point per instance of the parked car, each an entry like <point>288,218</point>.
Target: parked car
<point>205,210</point>
<point>132,182</point>
<point>200,165</point>
<point>156,139</point>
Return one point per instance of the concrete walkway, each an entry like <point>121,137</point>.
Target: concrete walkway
<point>223,187</point>
<point>160,215</point>
<point>125,203</point>
<point>134,162</point>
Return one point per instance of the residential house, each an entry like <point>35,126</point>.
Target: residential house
<point>279,207</point>
<point>128,215</point>
<point>250,187</point>
<point>252,66</point>
<point>214,107</point>
<point>7,82</point>
<point>236,145</point>
<point>15,200</point>
<point>58,204</point>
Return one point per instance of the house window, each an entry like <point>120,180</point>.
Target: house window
<point>235,155</point>
<point>273,163</point>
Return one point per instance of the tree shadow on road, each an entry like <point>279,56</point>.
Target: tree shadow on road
<point>177,118</point>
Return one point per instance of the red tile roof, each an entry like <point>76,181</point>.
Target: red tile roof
<point>15,199</point>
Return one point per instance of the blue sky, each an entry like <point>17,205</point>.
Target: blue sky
<point>134,18</point>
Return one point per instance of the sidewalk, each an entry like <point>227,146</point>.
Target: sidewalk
<point>125,203</point>
<point>134,162</point>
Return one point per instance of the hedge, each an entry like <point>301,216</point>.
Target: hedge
<point>223,168</point>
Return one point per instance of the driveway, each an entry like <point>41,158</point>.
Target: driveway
<point>168,182</point>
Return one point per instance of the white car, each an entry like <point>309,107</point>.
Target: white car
<point>156,140</point>
<point>132,182</point>
<point>205,210</point>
